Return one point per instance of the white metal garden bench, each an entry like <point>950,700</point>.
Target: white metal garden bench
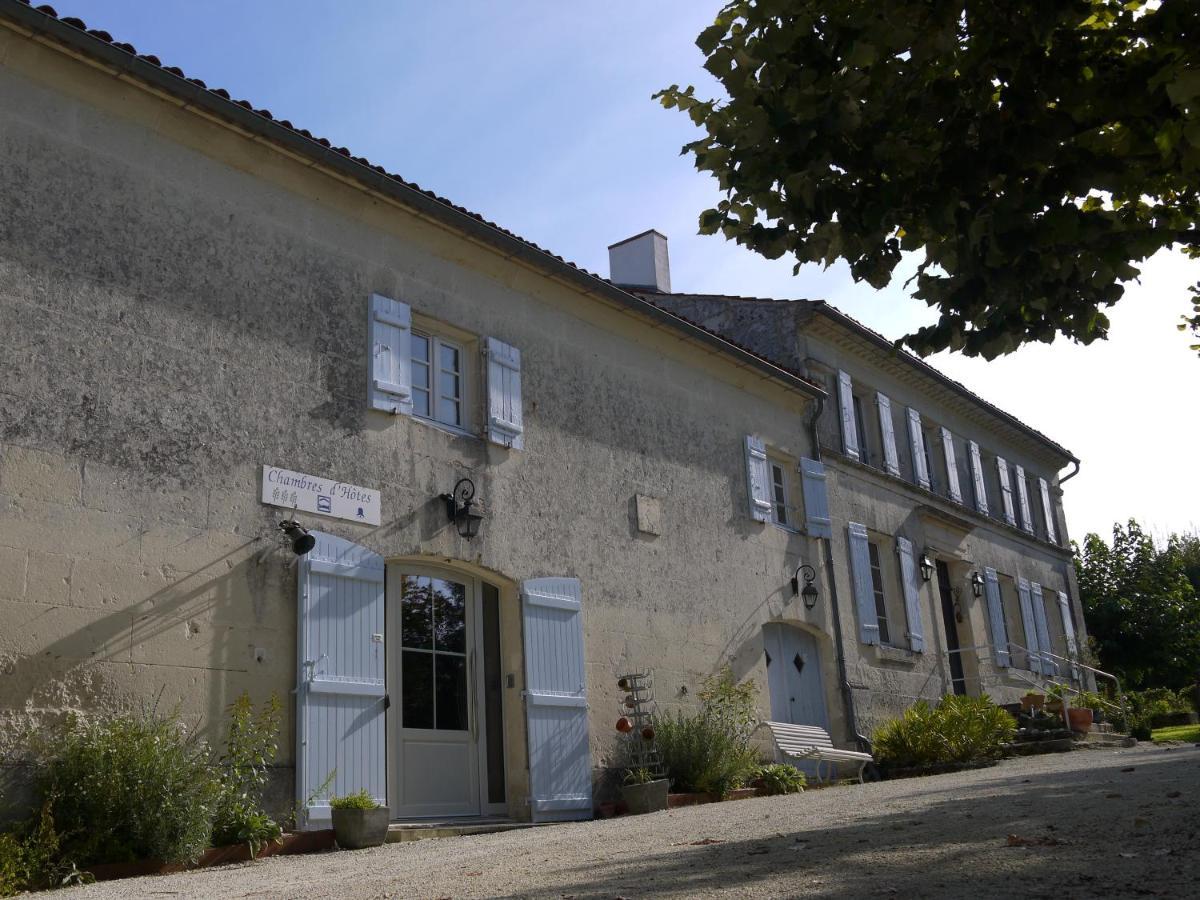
<point>809,742</point>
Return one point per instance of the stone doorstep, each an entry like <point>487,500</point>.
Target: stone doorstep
<point>1095,739</point>
<point>399,832</point>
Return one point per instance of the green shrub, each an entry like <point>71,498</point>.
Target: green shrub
<point>709,751</point>
<point>250,748</point>
<point>780,778</point>
<point>358,800</point>
<point>30,858</point>
<point>128,787</point>
<point>957,730</point>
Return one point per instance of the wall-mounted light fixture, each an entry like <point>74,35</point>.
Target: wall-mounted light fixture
<point>458,508</point>
<point>302,541</point>
<point>926,565</point>
<point>976,584</point>
<point>809,591</point>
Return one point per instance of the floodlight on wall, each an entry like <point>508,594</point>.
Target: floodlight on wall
<point>458,508</point>
<point>302,541</point>
<point>926,565</point>
<point>976,585</point>
<point>809,591</point>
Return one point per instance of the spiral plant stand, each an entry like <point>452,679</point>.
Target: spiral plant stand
<point>641,752</point>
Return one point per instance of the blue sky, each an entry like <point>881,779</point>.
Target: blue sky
<point>538,115</point>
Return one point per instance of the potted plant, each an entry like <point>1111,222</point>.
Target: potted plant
<point>358,821</point>
<point>1032,701</point>
<point>1080,719</point>
<point>642,792</point>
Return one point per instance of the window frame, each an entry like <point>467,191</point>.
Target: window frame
<point>880,593</point>
<point>466,347</point>
<point>779,486</point>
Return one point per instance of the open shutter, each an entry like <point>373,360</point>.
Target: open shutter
<point>816,499</point>
<point>995,603</point>
<point>846,407</point>
<point>1005,490</point>
<point>758,479</point>
<point>912,594</point>
<point>1068,624</point>
<point>506,424</point>
<point>953,488</point>
<point>560,765</point>
<point>390,375</point>
<point>1049,667</point>
<point>887,427</point>
<point>981,503</point>
<point>1023,499</point>
<point>864,591</point>
<point>1047,511</point>
<point>340,694</point>
<point>916,441</point>
<point>1029,627</point>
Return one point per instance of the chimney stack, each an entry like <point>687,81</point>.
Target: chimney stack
<point>641,262</point>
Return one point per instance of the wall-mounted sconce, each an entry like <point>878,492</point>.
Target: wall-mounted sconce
<point>926,565</point>
<point>458,508</point>
<point>976,585</point>
<point>302,541</point>
<point>809,591</point>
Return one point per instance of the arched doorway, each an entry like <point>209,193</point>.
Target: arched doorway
<point>794,676</point>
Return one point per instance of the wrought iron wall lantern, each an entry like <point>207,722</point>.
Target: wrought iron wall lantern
<point>976,585</point>
<point>809,591</point>
<point>926,565</point>
<point>458,508</point>
<point>302,541</point>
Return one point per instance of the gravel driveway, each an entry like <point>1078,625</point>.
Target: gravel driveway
<point>1109,823</point>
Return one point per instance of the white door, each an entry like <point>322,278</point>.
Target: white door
<point>434,683</point>
<point>794,676</point>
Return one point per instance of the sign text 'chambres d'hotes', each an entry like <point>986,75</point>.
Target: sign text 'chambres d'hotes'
<point>324,496</point>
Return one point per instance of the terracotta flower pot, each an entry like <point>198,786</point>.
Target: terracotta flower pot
<point>1032,701</point>
<point>1080,719</point>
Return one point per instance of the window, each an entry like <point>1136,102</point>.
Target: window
<point>860,423</point>
<point>880,599</point>
<point>927,438</point>
<point>779,495</point>
<point>437,378</point>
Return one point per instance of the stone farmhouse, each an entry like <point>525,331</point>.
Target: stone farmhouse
<point>274,420</point>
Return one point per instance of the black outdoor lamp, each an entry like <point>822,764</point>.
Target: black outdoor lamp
<point>302,541</point>
<point>458,508</point>
<point>809,591</point>
<point>976,585</point>
<point>926,566</point>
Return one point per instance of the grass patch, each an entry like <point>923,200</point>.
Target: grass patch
<point>1190,733</point>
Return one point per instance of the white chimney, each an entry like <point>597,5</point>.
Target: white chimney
<point>641,262</point>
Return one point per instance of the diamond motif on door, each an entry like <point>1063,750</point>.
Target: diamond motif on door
<point>798,663</point>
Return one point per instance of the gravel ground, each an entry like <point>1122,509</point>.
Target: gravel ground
<point>1096,823</point>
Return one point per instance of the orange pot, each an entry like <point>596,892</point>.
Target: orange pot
<point>1080,719</point>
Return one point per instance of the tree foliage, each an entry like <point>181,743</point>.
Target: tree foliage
<point>1034,151</point>
<point>1140,607</point>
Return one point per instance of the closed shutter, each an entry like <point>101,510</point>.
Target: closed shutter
<point>560,765</point>
<point>816,499</point>
<point>1023,499</point>
<point>1049,667</point>
<point>390,374</point>
<point>1005,490</point>
<point>506,423</point>
<point>340,694</point>
<point>953,488</point>
<point>912,594</point>
<point>864,590</point>
<point>1029,627</point>
<point>846,407</point>
<point>1068,624</point>
<point>887,427</point>
<point>916,441</point>
<point>981,503</point>
<point>1047,511</point>
<point>758,479</point>
<point>995,603</point>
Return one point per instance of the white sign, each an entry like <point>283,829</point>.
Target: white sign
<point>323,496</point>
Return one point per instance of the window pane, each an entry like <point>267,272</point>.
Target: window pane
<point>420,374</point>
<point>420,348</point>
<point>421,402</point>
<point>450,616</point>
<point>449,358</point>
<point>416,686</point>
<point>448,411</point>
<point>880,600</point>
<point>416,613</point>
<point>451,692</point>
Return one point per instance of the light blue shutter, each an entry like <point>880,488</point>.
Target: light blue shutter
<point>1023,499</point>
<point>887,427</point>
<point>1005,490</point>
<point>995,603</point>
<point>846,408</point>
<point>1048,511</point>
<point>864,590</point>
<point>916,441</point>
<point>1029,627</point>
<point>1049,667</point>
<point>912,594</point>
<point>758,480</point>
<point>390,375</point>
<point>340,688</point>
<point>506,422</point>
<point>981,503</point>
<point>816,499</point>
<point>952,485</point>
<point>560,765</point>
<point>1064,608</point>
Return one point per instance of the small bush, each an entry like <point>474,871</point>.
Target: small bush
<point>30,858</point>
<point>358,800</point>
<point>780,778</point>
<point>957,730</point>
<point>250,748</point>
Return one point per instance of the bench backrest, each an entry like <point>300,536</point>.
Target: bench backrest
<point>790,737</point>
